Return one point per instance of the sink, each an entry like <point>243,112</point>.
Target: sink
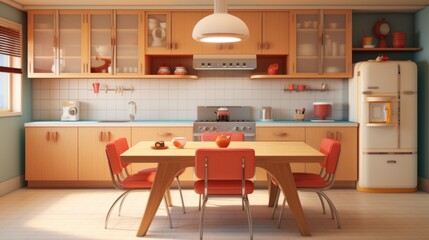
<point>113,121</point>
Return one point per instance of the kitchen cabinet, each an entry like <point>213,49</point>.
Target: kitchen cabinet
<point>51,154</point>
<point>321,43</point>
<point>170,32</point>
<point>56,43</point>
<point>161,134</point>
<point>280,134</point>
<point>93,164</point>
<point>347,136</point>
<point>128,42</point>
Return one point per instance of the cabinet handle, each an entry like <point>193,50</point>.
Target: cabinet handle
<point>109,136</point>
<point>56,136</point>
<point>260,45</point>
<point>175,45</point>
<point>48,135</point>
<point>100,137</point>
<point>267,45</point>
<point>230,46</point>
<point>280,134</point>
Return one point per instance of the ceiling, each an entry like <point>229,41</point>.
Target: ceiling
<point>356,5</point>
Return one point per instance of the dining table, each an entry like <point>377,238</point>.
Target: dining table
<point>274,157</point>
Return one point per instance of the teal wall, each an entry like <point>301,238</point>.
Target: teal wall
<point>422,59</point>
<point>399,22</point>
<point>12,128</point>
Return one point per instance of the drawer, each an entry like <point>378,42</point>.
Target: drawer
<point>388,171</point>
<point>280,134</point>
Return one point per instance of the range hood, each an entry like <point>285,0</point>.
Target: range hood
<point>224,62</point>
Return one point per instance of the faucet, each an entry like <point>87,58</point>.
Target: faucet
<point>133,110</point>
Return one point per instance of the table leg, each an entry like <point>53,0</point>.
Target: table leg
<point>282,173</point>
<point>165,174</point>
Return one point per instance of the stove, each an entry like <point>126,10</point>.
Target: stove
<point>240,121</point>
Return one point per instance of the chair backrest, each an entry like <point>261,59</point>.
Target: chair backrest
<point>113,156</point>
<point>225,163</point>
<point>331,148</point>
<point>122,146</point>
<point>211,136</point>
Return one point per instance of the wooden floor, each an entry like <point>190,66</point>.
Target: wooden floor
<point>79,214</point>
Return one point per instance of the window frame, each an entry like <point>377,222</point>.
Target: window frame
<point>13,75</point>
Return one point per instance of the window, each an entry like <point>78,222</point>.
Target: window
<point>10,68</point>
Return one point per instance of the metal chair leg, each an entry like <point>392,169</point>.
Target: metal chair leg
<point>334,211</point>
<point>199,202</point>
<point>202,217</point>
<point>168,211</point>
<point>281,213</point>
<point>181,195</point>
<point>122,202</point>
<point>249,216</point>
<point>321,201</point>
<point>276,203</point>
<point>106,221</point>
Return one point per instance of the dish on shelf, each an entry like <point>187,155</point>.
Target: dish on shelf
<point>369,46</point>
<point>332,69</point>
<point>306,49</point>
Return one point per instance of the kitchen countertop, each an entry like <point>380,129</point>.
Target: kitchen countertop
<point>181,123</point>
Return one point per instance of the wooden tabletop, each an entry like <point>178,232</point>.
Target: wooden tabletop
<point>291,152</point>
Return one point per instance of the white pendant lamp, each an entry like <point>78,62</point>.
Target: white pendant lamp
<point>220,27</point>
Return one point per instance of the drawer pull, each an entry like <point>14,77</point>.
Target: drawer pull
<point>48,135</point>
<point>280,134</point>
<point>391,161</point>
<point>100,137</point>
<point>109,136</point>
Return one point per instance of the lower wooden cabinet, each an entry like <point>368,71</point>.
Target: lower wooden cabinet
<point>51,154</point>
<point>161,134</point>
<point>93,165</point>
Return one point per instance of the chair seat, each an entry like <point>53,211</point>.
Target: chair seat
<point>309,180</point>
<point>224,187</point>
<point>141,180</point>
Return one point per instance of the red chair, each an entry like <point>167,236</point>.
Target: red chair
<point>121,178</point>
<point>123,146</point>
<point>211,136</point>
<point>318,183</point>
<point>227,172</point>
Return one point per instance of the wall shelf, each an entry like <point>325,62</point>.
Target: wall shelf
<point>306,90</point>
<point>387,49</point>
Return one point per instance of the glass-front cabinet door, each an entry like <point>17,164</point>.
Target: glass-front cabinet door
<point>127,42</point>
<point>336,42</point>
<point>70,49</point>
<point>158,32</point>
<point>322,40</point>
<point>101,42</point>
<point>307,42</point>
<point>42,39</point>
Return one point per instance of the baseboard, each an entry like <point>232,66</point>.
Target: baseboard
<point>11,185</point>
<point>423,184</point>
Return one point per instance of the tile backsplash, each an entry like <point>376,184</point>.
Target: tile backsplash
<point>177,99</point>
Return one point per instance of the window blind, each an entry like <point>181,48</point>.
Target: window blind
<point>10,44</point>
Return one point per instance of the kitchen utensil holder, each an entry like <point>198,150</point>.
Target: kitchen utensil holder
<point>118,89</point>
<point>299,117</point>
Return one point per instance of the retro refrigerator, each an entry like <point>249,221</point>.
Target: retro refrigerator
<point>383,100</point>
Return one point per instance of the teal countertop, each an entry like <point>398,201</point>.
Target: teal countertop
<point>181,123</point>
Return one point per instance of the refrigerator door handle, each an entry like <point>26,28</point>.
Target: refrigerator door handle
<point>391,161</point>
<point>408,92</point>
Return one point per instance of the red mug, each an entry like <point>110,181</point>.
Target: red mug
<point>301,87</point>
<point>96,87</point>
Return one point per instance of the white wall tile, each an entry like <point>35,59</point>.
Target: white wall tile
<point>177,99</point>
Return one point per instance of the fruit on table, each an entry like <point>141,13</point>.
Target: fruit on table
<point>223,141</point>
<point>177,144</point>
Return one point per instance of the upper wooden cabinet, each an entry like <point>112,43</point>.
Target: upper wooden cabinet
<point>171,32</point>
<point>321,43</point>
<point>268,34</point>
<point>56,42</point>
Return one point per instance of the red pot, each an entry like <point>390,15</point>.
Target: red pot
<point>223,141</point>
<point>322,109</point>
